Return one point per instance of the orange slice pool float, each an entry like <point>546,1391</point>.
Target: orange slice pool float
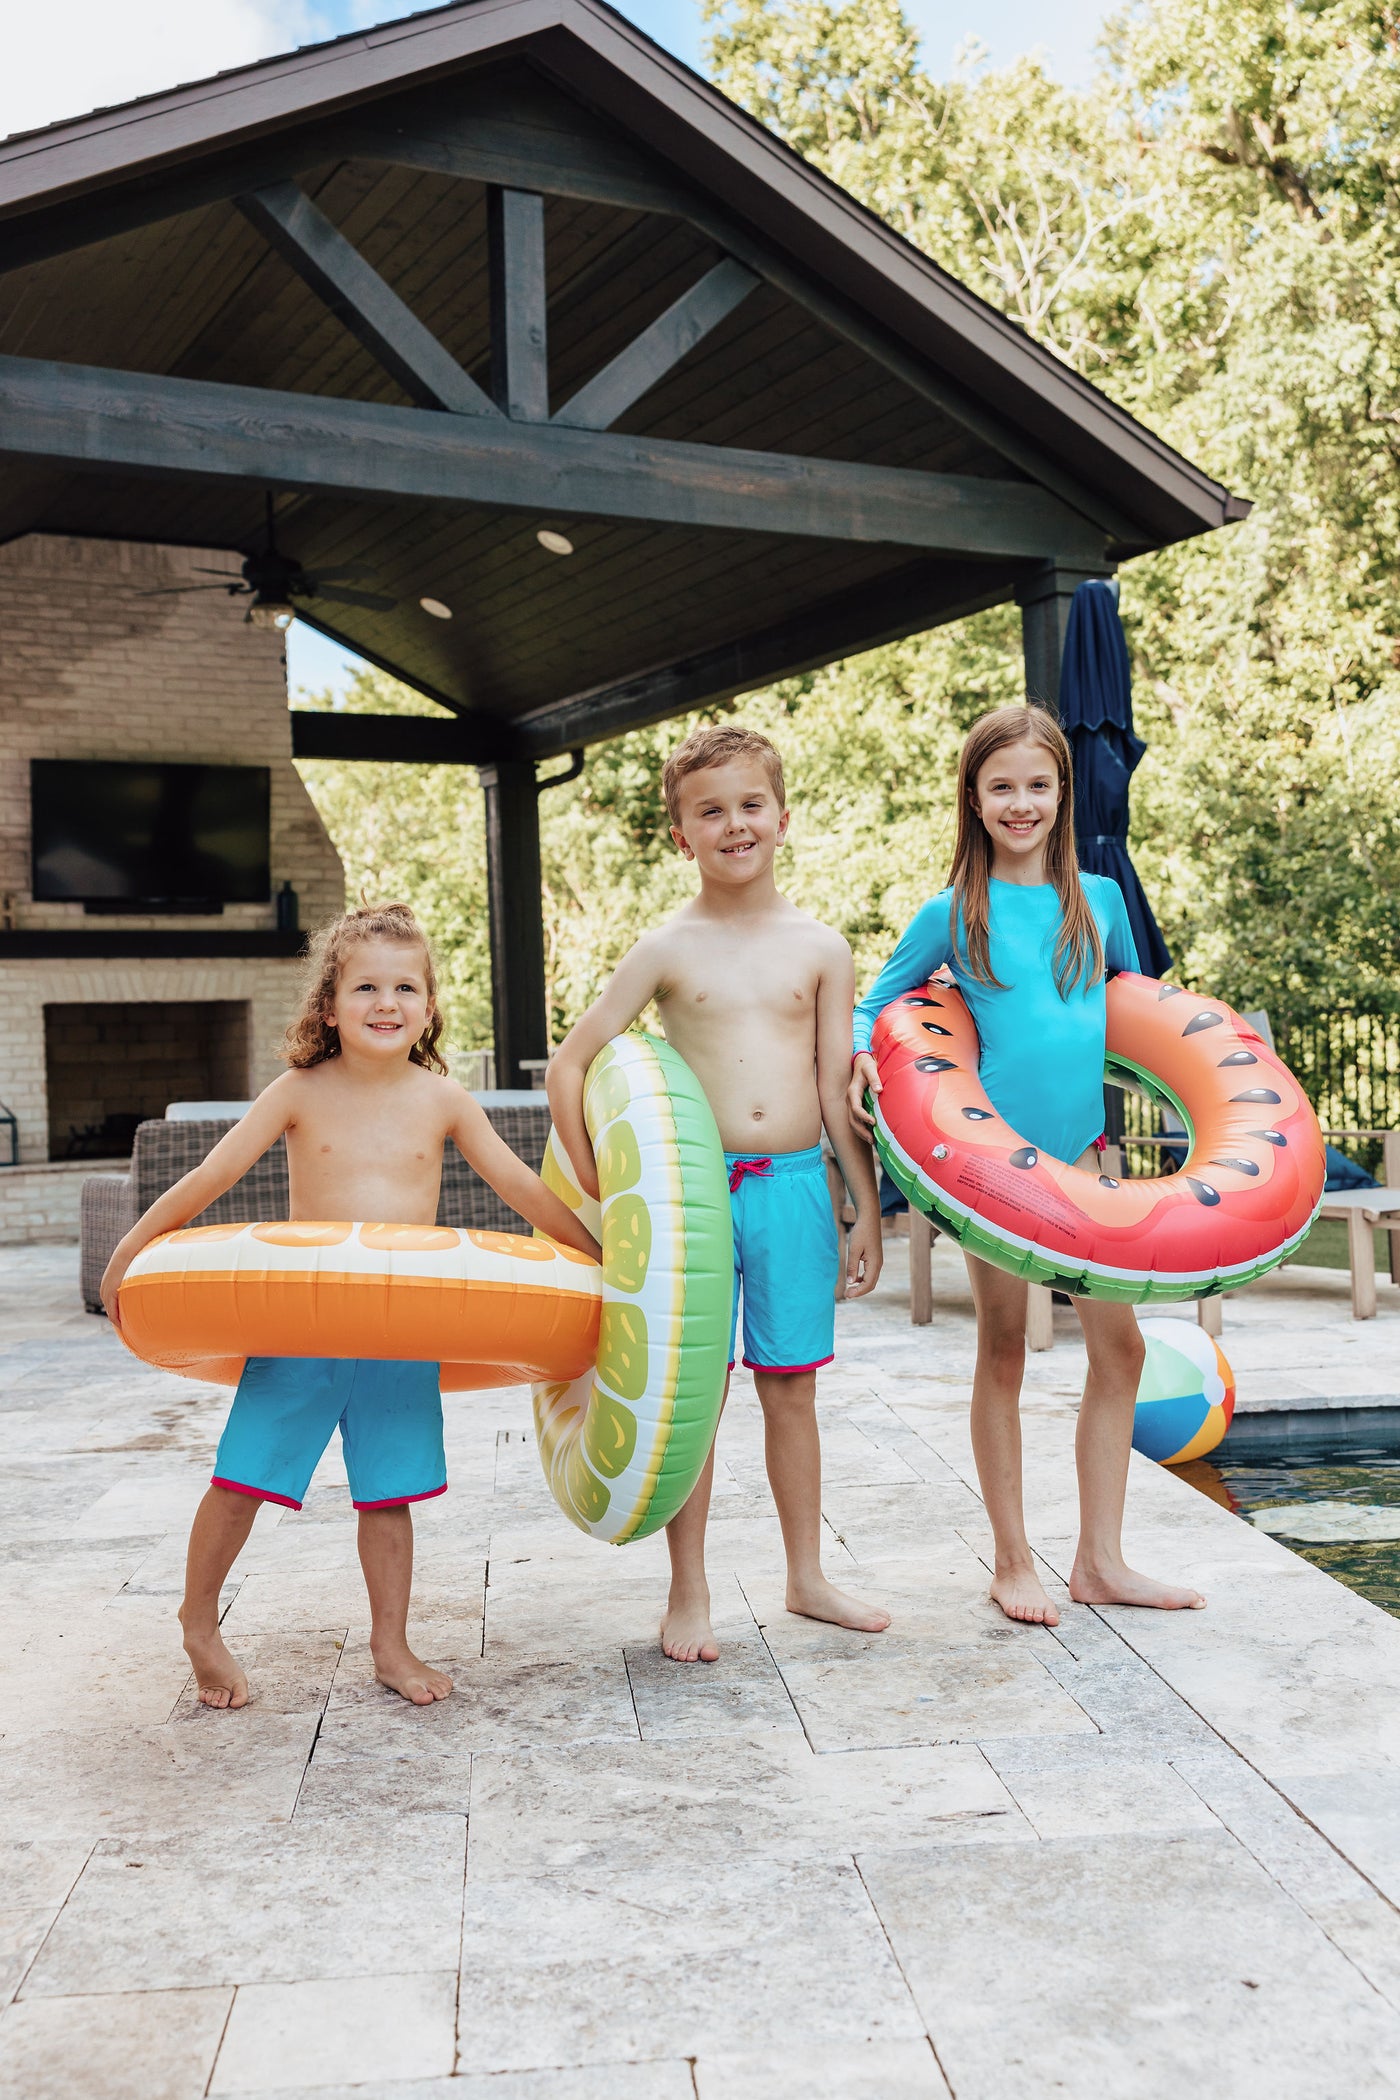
<point>201,1300</point>
<point>1242,1203</point>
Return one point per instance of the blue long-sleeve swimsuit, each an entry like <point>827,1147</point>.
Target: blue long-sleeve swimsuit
<point>1042,1053</point>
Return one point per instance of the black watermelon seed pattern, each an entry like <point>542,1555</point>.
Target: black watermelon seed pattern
<point>934,1029</point>
<point>920,1000</point>
<point>1106,1181</point>
<point>978,1115</point>
<point>1241,1166</point>
<point>1270,1137</point>
<point>934,1064</point>
<point>1026,1157</point>
<point>1259,1093</point>
<point>1202,1191</point>
<point>1169,991</point>
<point>1239,1057</point>
<point>1202,1021</point>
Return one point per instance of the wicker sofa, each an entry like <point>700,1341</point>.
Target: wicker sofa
<point>164,1150</point>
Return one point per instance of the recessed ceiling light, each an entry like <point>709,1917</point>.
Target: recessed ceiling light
<point>436,607</point>
<point>554,542</point>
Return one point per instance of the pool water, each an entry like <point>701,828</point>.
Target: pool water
<point>1342,1514</point>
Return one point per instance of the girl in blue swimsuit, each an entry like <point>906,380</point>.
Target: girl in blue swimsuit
<point>1029,943</point>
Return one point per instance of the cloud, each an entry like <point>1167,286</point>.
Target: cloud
<point>70,56</point>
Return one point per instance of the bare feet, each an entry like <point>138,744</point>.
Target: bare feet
<point>401,1671</point>
<point>1022,1596</point>
<point>686,1633</point>
<point>217,1673</point>
<point>1123,1585</point>
<point>820,1599</point>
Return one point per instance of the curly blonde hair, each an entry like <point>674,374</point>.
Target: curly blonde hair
<point>311,1037</point>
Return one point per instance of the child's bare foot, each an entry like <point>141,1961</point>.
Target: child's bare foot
<point>1123,1585</point>
<point>401,1671</point>
<point>217,1673</point>
<point>686,1633</point>
<point>819,1599</point>
<point>1022,1596</point>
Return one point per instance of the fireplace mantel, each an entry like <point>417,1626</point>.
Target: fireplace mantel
<point>34,944</point>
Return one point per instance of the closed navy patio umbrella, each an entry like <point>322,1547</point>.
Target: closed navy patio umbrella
<point>1096,714</point>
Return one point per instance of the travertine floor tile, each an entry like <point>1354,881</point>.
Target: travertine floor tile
<point>494,1704</point>
<point>872,2071</point>
<point>260,1904</point>
<point>294,2036</point>
<point>648,2080</point>
<point>596,1809</point>
<point>747,1957</point>
<point>741,1694</point>
<point>204,1770</point>
<point>144,2045</point>
<point>1133,1966</point>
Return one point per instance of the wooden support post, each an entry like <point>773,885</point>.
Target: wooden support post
<point>1040,1317</point>
<point>1210,1315</point>
<point>1045,601</point>
<point>921,1239</point>
<point>517,917</point>
<point>519,343</point>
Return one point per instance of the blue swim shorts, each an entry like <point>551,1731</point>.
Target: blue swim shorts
<point>785,1260</point>
<point>286,1408</point>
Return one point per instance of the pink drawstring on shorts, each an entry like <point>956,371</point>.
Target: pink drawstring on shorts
<point>761,1167</point>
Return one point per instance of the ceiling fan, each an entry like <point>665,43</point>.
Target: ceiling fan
<point>274,582</point>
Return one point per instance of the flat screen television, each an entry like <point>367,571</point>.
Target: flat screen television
<point>116,836</point>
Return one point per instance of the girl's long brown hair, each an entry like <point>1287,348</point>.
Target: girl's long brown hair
<point>311,1037</point>
<point>1079,950</point>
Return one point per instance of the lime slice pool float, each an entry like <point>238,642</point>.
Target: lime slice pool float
<point>623,1446</point>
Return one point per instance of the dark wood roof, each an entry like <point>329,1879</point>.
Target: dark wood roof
<point>124,249</point>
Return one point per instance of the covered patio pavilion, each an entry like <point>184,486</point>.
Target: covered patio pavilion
<point>509,270</point>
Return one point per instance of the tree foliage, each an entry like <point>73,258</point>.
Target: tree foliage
<point>1211,235</point>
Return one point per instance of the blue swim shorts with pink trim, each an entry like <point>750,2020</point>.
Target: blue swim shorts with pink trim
<point>785,1259</point>
<point>287,1408</point>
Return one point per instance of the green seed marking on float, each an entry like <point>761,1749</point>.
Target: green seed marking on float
<point>608,1095</point>
<point>584,1489</point>
<point>622,1350</point>
<point>610,1437</point>
<point>626,1242</point>
<point>619,1159</point>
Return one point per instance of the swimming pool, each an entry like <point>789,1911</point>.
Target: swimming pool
<point>1341,1512</point>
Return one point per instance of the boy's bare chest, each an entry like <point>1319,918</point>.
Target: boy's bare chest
<point>767,981</point>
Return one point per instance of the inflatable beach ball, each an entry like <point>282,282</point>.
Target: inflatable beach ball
<point>1186,1396</point>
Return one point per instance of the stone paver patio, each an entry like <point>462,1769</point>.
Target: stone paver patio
<point>1139,1856</point>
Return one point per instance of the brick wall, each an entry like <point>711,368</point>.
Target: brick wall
<point>101,658</point>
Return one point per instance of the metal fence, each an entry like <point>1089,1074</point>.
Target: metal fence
<point>1349,1066</point>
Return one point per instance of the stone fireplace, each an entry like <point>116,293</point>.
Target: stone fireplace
<point>110,1066</point>
<point>108,655</point>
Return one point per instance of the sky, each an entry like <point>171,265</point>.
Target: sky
<point>72,56</point>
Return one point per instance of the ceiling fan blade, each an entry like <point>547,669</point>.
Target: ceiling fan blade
<point>180,590</point>
<point>349,572</point>
<point>233,575</point>
<point>368,601</point>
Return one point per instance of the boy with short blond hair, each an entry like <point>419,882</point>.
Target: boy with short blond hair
<point>757,998</point>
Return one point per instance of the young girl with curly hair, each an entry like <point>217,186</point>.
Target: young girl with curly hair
<point>365,1109</point>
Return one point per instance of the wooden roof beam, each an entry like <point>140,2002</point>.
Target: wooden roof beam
<point>148,423</point>
<point>650,356</point>
<point>519,331</point>
<point>359,298</point>
<point>914,597</point>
